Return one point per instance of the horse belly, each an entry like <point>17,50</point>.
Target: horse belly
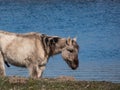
<point>16,59</point>
<point>18,51</point>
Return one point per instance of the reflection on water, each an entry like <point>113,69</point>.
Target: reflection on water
<point>95,23</point>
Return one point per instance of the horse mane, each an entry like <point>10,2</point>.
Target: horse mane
<point>49,43</point>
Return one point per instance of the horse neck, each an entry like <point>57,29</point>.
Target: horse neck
<point>52,44</point>
<point>59,46</point>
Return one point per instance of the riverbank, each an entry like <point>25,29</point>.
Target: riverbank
<point>60,83</point>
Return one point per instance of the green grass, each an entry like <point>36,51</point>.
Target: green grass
<point>17,83</point>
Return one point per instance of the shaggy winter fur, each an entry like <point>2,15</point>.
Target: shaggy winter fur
<point>32,50</point>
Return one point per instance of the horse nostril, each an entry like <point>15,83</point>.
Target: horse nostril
<point>70,51</point>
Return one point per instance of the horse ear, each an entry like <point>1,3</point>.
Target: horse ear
<point>69,41</point>
<point>75,39</point>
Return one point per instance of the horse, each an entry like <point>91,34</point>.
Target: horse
<point>32,50</point>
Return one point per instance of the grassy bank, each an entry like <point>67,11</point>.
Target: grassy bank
<point>20,83</point>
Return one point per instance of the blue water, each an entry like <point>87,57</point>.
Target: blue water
<point>95,23</point>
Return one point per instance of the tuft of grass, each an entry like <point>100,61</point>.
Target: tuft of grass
<point>21,83</point>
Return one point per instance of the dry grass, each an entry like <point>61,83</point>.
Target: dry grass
<point>60,83</point>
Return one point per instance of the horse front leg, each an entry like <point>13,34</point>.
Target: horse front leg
<point>2,67</point>
<point>40,71</point>
<point>33,71</point>
<point>36,71</point>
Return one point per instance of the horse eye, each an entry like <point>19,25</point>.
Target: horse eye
<point>70,50</point>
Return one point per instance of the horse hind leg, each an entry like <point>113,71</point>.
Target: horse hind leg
<point>2,67</point>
